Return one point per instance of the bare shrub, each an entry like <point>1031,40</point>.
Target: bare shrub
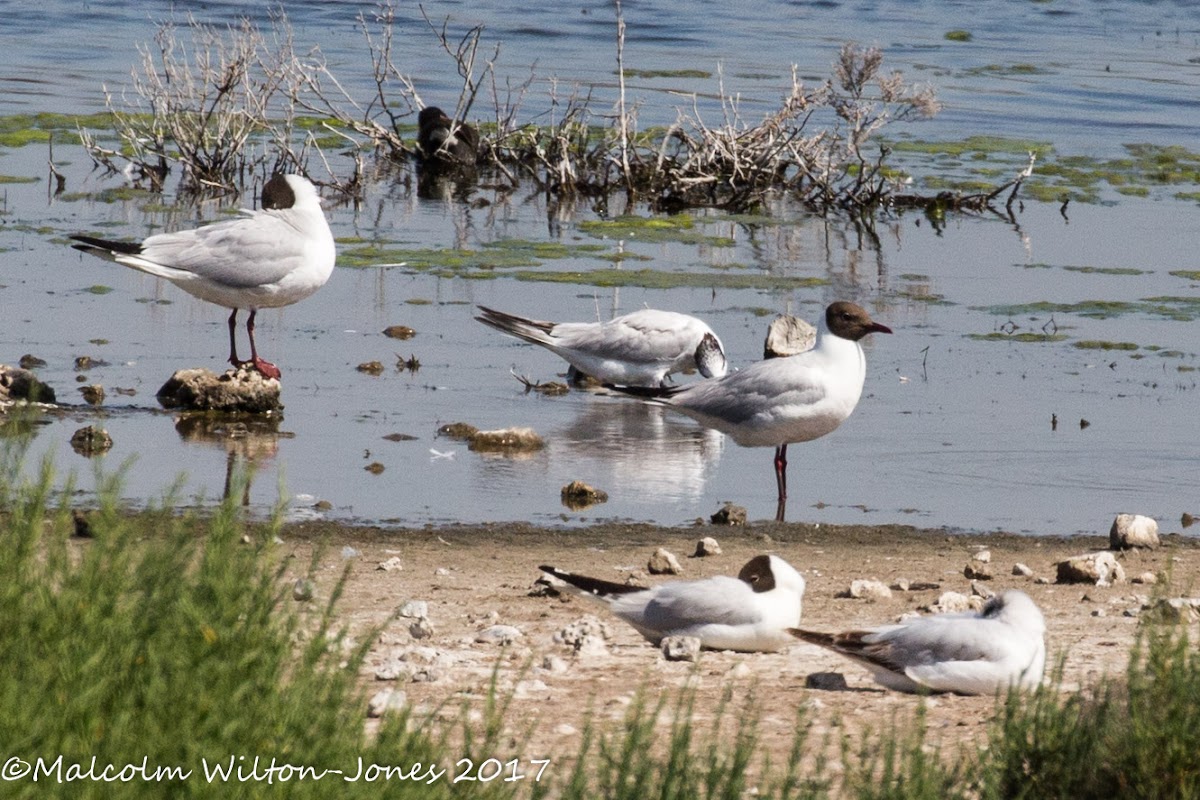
<point>219,103</point>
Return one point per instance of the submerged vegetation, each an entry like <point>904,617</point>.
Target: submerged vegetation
<point>173,638</point>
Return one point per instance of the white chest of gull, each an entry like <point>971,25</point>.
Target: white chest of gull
<point>269,258</point>
<point>749,613</point>
<point>637,349</point>
<point>778,401</point>
<point>981,652</point>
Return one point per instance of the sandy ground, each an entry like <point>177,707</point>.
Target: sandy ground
<point>474,577</point>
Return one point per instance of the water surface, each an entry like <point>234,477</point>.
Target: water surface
<point>954,428</point>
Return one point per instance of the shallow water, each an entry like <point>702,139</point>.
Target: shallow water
<point>953,429</point>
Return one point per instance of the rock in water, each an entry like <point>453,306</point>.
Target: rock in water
<point>236,390</point>
<point>787,336</point>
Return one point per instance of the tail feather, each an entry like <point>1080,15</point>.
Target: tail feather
<point>105,247</point>
<point>593,586</point>
<point>531,330</point>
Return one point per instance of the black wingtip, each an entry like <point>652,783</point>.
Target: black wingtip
<point>88,243</point>
<point>646,392</point>
<point>594,586</point>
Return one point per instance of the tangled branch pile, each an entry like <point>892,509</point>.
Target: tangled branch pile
<point>232,111</point>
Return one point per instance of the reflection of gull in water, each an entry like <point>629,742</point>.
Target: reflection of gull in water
<point>246,438</point>
<point>643,448</point>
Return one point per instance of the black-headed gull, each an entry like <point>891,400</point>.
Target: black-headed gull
<point>439,138</point>
<point>264,259</point>
<point>981,652</point>
<point>775,402</point>
<point>750,613</point>
<point>637,349</point>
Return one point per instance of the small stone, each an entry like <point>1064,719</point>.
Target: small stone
<point>1132,530</point>
<point>303,590</point>
<point>901,585</point>
<point>1101,568</point>
<point>951,602</point>
<point>91,441</point>
<point>1174,610</point>
<point>681,648</point>
<point>729,514</point>
<point>555,665</point>
<point>1099,612</point>
<point>392,671</point>
<point>498,634</point>
<point>788,336</point>
<point>531,686</point>
<point>872,590</point>
<point>457,430</point>
<point>93,394</point>
<point>393,564</point>
<point>977,572</point>
<point>578,495</point>
<point>565,729</point>
<point>826,681</point>
<point>420,628</point>
<point>506,440</point>
<point>370,368</point>
<point>983,557</point>
<point>384,701</point>
<point>979,590</point>
<point>29,361</point>
<point>414,609</point>
<point>375,468</point>
<point>707,546</point>
<point>1146,578</point>
<point>739,670</point>
<point>663,562</point>
<point>587,636</point>
<point>349,552</point>
<point>1022,570</point>
<point>402,332</point>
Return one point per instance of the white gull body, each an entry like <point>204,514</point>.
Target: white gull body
<point>263,259</point>
<point>637,349</point>
<point>749,613</point>
<point>981,652</point>
<point>797,398</point>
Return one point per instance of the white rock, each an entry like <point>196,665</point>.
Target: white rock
<point>349,552</point>
<point>393,670</point>
<point>1100,568</point>
<point>1146,578</point>
<point>565,730</point>
<point>420,628</point>
<point>740,670</point>
<point>1022,570</point>
<point>663,562</point>
<point>1132,530</point>
<point>386,700</point>
<point>983,557</point>
<point>303,590</point>
<point>708,546</point>
<point>681,648</point>
<point>951,603</point>
<point>498,634</point>
<point>863,589</point>
<point>1175,609</point>
<point>391,565</point>
<point>555,665</point>
<point>531,686</point>
<point>414,609</point>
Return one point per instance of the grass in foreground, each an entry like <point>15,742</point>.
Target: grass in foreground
<point>167,647</point>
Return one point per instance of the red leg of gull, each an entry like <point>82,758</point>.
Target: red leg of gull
<point>267,369</point>
<point>233,359</point>
<point>781,470</point>
<point>781,480</point>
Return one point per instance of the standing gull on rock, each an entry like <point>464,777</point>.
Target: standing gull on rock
<point>981,652</point>
<point>750,613</point>
<point>263,259</point>
<point>775,402</point>
<point>637,349</point>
